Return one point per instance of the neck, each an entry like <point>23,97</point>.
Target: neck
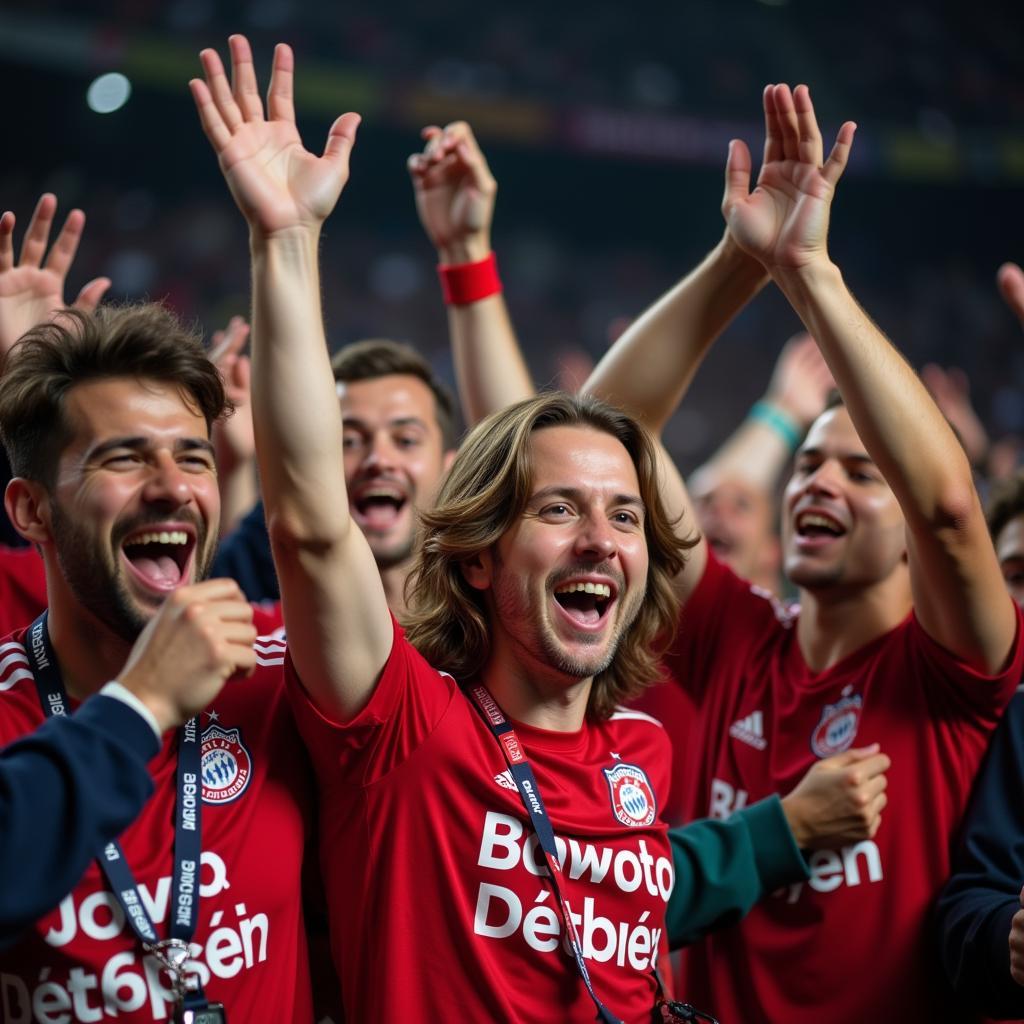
<point>545,702</point>
<point>835,622</point>
<point>87,653</point>
<point>394,587</point>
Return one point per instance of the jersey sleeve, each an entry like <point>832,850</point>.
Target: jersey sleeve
<point>722,619</point>
<point>977,905</point>
<point>407,704</point>
<point>959,691</point>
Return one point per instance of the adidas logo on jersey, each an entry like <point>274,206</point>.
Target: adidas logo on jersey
<point>505,780</point>
<point>750,730</point>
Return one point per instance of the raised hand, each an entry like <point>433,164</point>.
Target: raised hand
<point>839,800</point>
<point>234,437</point>
<point>31,290</point>
<point>276,182</point>
<point>800,381</point>
<point>1011,286</point>
<point>201,636</point>
<point>455,193</point>
<point>784,222</point>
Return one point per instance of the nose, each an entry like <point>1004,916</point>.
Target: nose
<point>379,453</point>
<point>825,479</point>
<point>596,539</point>
<point>167,483</point>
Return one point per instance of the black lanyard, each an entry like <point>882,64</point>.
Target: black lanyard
<point>184,912</point>
<point>529,791</point>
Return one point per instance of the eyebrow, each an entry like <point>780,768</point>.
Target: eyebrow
<point>858,457</point>
<point>183,444</point>
<point>400,421</point>
<point>577,495</point>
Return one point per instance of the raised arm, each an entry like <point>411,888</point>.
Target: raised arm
<point>455,193</point>
<point>783,223</point>
<point>31,287</point>
<point>339,627</point>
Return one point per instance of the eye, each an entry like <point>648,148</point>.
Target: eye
<point>121,460</point>
<point>197,462</point>
<point>407,441</point>
<point>558,510</point>
<point>351,442</point>
<point>625,517</point>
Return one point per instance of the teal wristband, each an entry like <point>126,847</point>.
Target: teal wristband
<point>775,418</point>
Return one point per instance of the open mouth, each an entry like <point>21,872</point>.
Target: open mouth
<point>160,558</point>
<point>378,509</point>
<point>585,603</point>
<point>721,546</point>
<point>814,525</point>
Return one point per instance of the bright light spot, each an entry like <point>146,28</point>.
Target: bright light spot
<point>108,93</point>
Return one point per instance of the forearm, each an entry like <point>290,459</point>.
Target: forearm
<point>901,427</point>
<point>295,406</point>
<point>647,371</point>
<point>489,364</point>
<point>724,867</point>
<point>238,494</point>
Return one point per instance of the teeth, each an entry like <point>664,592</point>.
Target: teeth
<point>159,537</point>
<point>598,589</point>
<point>394,495</point>
<point>811,519</point>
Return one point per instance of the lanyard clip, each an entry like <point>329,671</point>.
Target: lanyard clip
<point>673,1013</point>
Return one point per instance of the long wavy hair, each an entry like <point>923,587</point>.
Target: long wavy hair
<point>484,494</point>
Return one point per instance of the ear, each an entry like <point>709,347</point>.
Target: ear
<point>477,569</point>
<point>28,507</point>
<point>449,458</point>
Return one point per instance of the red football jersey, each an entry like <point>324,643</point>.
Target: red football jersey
<point>440,908</point>
<point>82,962</point>
<point>22,587</point>
<point>851,944</point>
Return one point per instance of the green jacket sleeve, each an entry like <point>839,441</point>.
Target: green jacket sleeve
<point>723,868</point>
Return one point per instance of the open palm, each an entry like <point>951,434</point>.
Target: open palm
<point>784,221</point>
<point>277,183</point>
<point>32,290</point>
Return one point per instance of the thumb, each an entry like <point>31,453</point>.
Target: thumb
<point>853,755</point>
<point>91,294</point>
<point>737,173</point>
<point>341,138</point>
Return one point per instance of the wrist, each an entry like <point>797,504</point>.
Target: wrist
<point>157,713</point>
<point>792,810</point>
<point>798,281</point>
<point>736,261</point>
<point>779,420</point>
<point>464,250</point>
<point>463,284</point>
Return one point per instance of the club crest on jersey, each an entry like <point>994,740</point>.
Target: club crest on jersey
<point>632,796</point>
<point>225,765</point>
<point>838,727</point>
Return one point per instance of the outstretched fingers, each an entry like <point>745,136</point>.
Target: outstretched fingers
<point>280,95</point>
<point>220,90</point>
<point>91,294</point>
<point>789,125</point>
<point>840,155</point>
<point>1010,280</point>
<point>64,248</point>
<point>773,150</point>
<point>209,116</point>
<point>33,245</point>
<point>809,144</point>
<point>244,88</point>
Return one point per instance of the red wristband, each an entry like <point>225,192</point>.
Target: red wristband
<point>465,283</point>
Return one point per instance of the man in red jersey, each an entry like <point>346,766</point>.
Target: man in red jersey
<point>107,418</point>
<point>904,635</point>
<point>543,585</point>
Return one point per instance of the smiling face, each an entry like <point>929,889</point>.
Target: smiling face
<point>736,518</point>
<point>394,459</point>
<point>841,524</point>
<point>134,508</point>
<point>566,581</point>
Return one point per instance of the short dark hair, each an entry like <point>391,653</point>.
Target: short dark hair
<point>379,357</point>
<point>146,341</point>
<point>1005,503</point>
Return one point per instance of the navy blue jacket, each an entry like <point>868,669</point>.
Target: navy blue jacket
<point>244,556</point>
<point>66,790</point>
<point>978,903</point>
